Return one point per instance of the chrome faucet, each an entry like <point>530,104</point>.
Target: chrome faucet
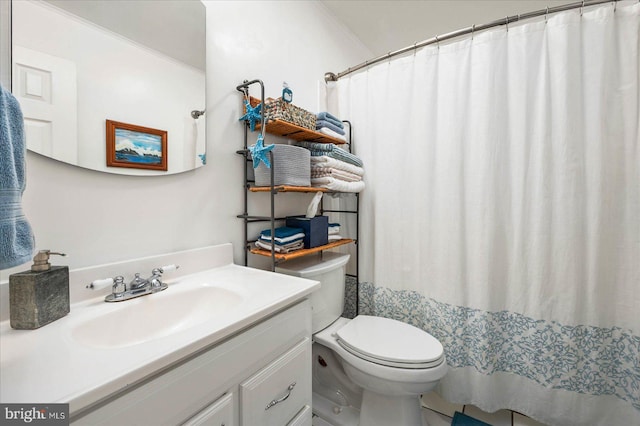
<point>154,279</point>
<point>136,288</point>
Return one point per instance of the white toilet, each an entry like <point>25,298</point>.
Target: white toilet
<point>368,371</point>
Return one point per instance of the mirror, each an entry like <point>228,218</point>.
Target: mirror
<point>80,64</point>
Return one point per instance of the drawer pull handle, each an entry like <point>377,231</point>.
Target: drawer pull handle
<point>279,400</point>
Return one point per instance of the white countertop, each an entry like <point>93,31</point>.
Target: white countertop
<point>50,365</point>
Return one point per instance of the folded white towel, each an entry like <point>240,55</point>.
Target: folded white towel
<point>317,172</point>
<point>337,184</point>
<point>327,131</point>
<point>335,237</point>
<point>281,249</point>
<point>325,161</point>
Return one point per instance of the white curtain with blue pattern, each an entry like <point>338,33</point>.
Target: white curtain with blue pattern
<point>502,210</point>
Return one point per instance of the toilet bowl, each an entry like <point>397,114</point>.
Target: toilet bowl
<point>368,371</point>
<point>393,362</point>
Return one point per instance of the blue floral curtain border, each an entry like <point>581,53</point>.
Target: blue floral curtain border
<point>585,359</point>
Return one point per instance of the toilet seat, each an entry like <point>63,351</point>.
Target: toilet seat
<point>389,342</point>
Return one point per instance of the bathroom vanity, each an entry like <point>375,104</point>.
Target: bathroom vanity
<point>230,383</point>
<point>226,345</point>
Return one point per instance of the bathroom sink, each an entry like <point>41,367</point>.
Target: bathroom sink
<point>155,316</point>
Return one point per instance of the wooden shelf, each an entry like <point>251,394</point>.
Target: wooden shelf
<point>288,188</point>
<point>289,130</point>
<point>302,252</point>
<point>292,131</point>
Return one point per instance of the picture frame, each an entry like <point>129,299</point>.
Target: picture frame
<point>137,147</point>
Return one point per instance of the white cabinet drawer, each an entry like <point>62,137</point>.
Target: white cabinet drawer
<point>274,395</point>
<point>303,418</point>
<point>220,413</point>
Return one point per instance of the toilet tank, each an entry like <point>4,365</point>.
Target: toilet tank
<point>327,303</point>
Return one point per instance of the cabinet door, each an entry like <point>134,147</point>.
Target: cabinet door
<point>220,413</point>
<point>275,394</point>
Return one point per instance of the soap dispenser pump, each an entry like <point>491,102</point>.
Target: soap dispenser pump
<point>39,296</point>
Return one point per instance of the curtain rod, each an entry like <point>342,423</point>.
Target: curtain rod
<point>329,76</point>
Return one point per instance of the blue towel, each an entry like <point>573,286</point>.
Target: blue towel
<point>460,419</point>
<point>267,240</point>
<point>316,146</point>
<point>283,232</point>
<point>329,117</point>
<point>16,238</point>
<point>340,154</point>
<point>330,150</point>
<point>329,125</point>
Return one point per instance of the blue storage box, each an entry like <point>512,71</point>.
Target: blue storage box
<point>316,229</point>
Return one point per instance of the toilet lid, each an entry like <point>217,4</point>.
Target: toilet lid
<point>389,342</point>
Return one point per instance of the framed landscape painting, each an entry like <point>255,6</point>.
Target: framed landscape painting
<point>136,147</point>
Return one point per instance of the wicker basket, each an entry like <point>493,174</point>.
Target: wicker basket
<point>279,109</point>
<point>292,167</point>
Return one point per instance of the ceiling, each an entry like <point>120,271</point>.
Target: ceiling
<point>385,26</point>
<point>173,27</point>
<point>382,25</point>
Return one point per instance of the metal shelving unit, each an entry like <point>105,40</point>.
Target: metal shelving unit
<point>289,130</point>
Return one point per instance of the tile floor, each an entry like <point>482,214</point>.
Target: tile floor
<point>439,412</point>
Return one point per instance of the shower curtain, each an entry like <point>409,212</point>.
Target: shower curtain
<point>502,210</point>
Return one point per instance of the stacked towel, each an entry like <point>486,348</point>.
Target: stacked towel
<point>286,239</point>
<point>331,150</point>
<point>285,248</point>
<point>16,237</point>
<point>334,168</point>
<point>327,116</point>
<point>323,162</point>
<point>334,232</point>
<point>337,175</point>
<point>318,172</point>
<point>337,185</point>
<point>330,125</point>
<point>327,131</point>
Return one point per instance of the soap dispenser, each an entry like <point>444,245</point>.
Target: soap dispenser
<point>39,296</point>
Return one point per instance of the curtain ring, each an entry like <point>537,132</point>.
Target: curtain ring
<point>507,23</point>
<point>473,30</point>
<point>581,7</point>
<point>546,15</point>
<point>415,48</point>
<point>438,42</point>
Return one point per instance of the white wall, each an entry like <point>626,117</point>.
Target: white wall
<point>97,218</point>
